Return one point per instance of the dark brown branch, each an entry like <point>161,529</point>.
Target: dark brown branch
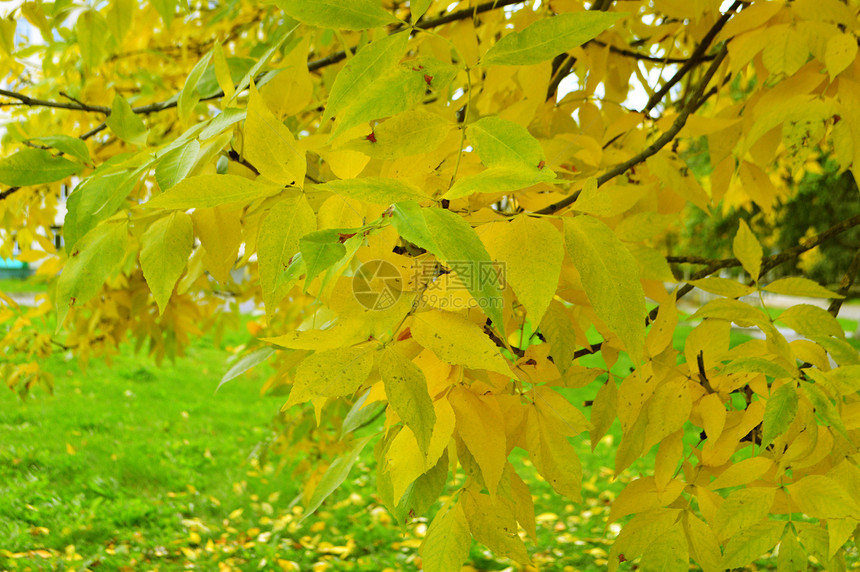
<point>694,60</point>
<point>562,72</point>
<point>845,284</point>
<point>74,105</point>
<point>9,191</point>
<point>649,58</point>
<point>694,103</point>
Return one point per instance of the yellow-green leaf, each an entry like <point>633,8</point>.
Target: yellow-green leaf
<point>792,557</point>
<point>743,509</point>
<point>748,250</point>
<point>800,286</point>
<point>554,458</point>
<point>704,548</point>
<point>841,53</point>
<point>35,167</point>
<point>779,412</point>
<point>546,38</point>
<point>603,411</point>
<point>176,164</point>
<point>96,257</point>
<point>821,497</point>
<point>406,390</point>
<point>204,191</point>
<point>376,190</point>
<point>270,146</point>
<point>448,539</point>
<point>335,475</point>
<point>165,248</point>
<point>499,179</point>
<point>332,373</point>
<point>278,241</point>
<point>457,340</point>
<point>611,279</point>
<point>723,287</point>
<point>338,14</point>
<point>125,123</point>
<point>556,326</point>
<point>532,251</point>
<point>412,132</point>
<point>808,320</point>
<point>93,33</point>
<point>748,545</point>
<point>500,142</point>
<point>493,525</point>
<point>189,96</point>
<point>71,146</point>
<point>362,70</point>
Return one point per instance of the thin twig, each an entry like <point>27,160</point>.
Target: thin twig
<point>74,105</point>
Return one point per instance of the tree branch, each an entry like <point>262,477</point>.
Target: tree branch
<point>74,105</point>
<point>648,58</point>
<point>694,102</point>
<point>845,284</point>
<point>695,59</point>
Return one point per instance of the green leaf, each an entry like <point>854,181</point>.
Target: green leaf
<point>376,190</point>
<point>95,258</point>
<point>203,191</point>
<point>499,179</point>
<point>322,249</point>
<point>35,167</point>
<point>71,146</point>
<point>248,361</point>
<point>338,14</point>
<point>360,415</point>
<point>120,18</point>
<point>532,251</point>
<point>388,95</point>
<point>175,165</point>
<point>361,71</point>
<point>418,7</point>
<point>93,33</point>
<point>610,277</point>
<point>423,492</point>
<point>95,200</point>
<point>335,475</point>
<point>841,351</point>
<point>166,9</point>
<point>754,364</point>
<point>406,389</point>
<point>270,145</point>
<point>278,241</point>
<point>332,373</point>
<point>546,38</point>
<point>446,546</point>
<point>165,248</point>
<point>779,412</point>
<point>263,61</point>
<point>125,123</point>
<point>824,407</point>
<point>500,142</point>
<point>222,121</point>
<point>800,286</point>
<point>452,239</point>
<point>189,96</point>
<point>751,543</point>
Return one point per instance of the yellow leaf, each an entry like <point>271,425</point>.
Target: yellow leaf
<point>220,232</point>
<point>457,340</point>
<point>785,51</point>
<point>748,250</point>
<point>751,543</point>
<point>270,146</point>
<point>493,525</point>
<point>742,473</point>
<point>603,411</point>
<point>222,71</point>
<point>841,53</point>
<point>723,287</point>
<point>70,450</point>
<point>713,413</point>
<point>165,248</point>
<point>819,496</point>
<point>663,329</point>
<point>554,458</point>
<point>743,509</point>
<point>478,421</point>
<point>704,547</point>
<point>611,279</point>
<point>532,251</point>
<point>800,286</point>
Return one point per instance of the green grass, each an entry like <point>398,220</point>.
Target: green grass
<point>145,467</point>
<point>16,285</point>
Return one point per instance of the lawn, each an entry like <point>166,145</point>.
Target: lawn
<point>141,467</point>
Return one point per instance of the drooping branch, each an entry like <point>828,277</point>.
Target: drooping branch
<point>694,102</point>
